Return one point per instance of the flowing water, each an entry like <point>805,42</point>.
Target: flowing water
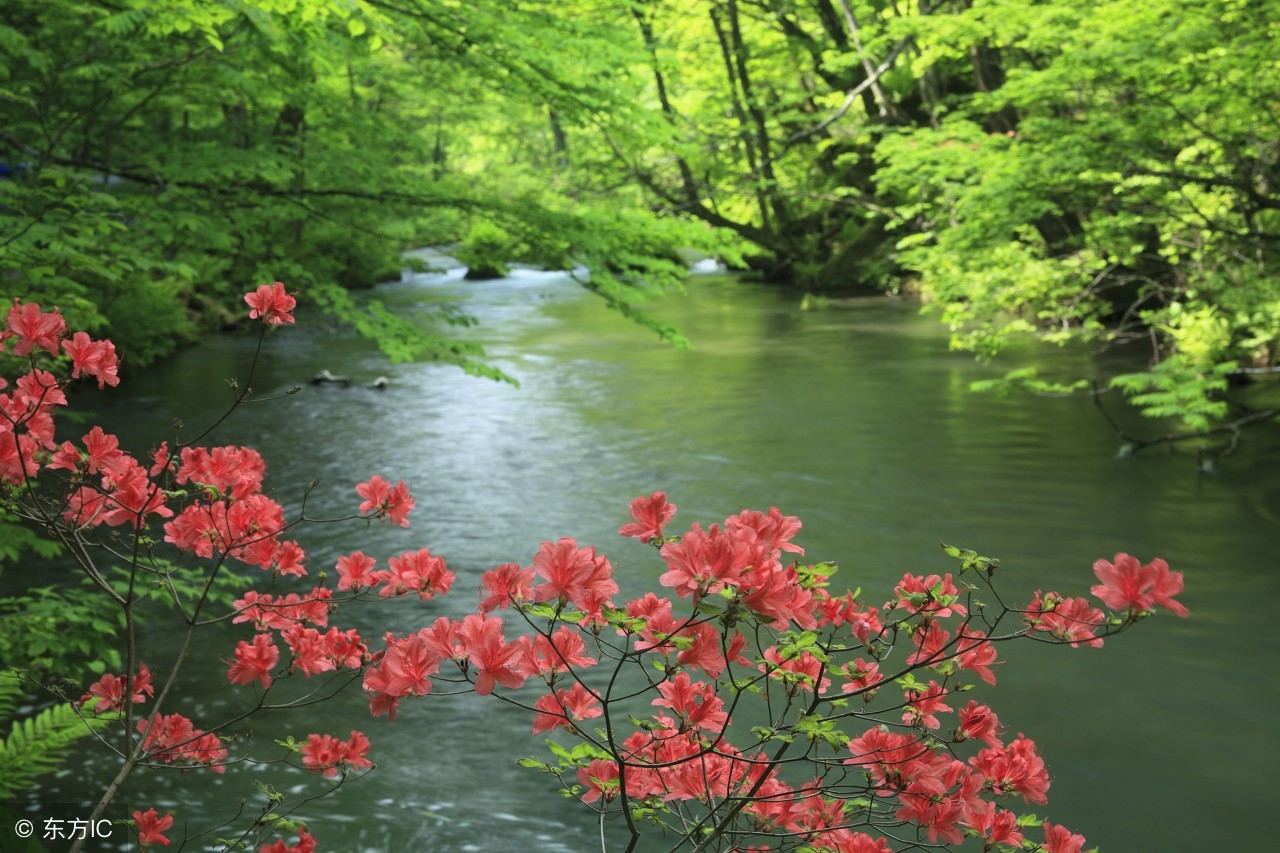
<point>857,419</point>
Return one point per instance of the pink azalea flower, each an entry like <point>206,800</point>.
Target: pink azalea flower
<point>37,391</point>
<point>600,778</point>
<point>33,328</point>
<point>773,530</point>
<point>1167,584</point>
<point>1059,839</point>
<point>860,842</point>
<point>149,827</point>
<point>354,572</point>
<point>492,659</point>
<point>563,650</point>
<point>110,689</point>
<point>271,303</point>
<point>863,676</point>
<point>310,650</point>
<point>1125,585</point>
<point>931,639</point>
<point>404,669</point>
<point>1128,585</point>
<point>386,501</point>
<point>94,358</point>
<point>805,667</point>
<point>978,722</point>
<point>572,573</point>
<point>703,562</point>
<point>356,750</point>
<point>505,584</point>
<point>345,648</point>
<point>237,471</point>
<point>658,621</point>
<point>172,738</point>
<point>695,703</point>
<point>650,515</point>
<point>289,558</point>
<point>706,654</point>
<point>923,707</point>
<point>416,571</point>
<point>565,707</point>
<point>995,825</point>
<point>254,661</point>
<point>977,654</point>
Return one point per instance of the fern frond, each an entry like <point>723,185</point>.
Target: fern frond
<point>11,692</point>
<point>39,744</point>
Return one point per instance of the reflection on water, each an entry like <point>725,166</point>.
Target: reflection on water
<point>855,419</point>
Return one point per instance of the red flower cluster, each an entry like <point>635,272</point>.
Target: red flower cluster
<point>418,572</point>
<point>35,329</point>
<point>1070,620</point>
<point>660,631</point>
<point>744,557</point>
<point>1058,839</point>
<point>941,793</point>
<point>122,494</point>
<point>355,571</point>
<point>385,500</point>
<point>694,703</point>
<point>863,677</point>
<point>172,738</point>
<point>477,646</point>
<point>234,471</point>
<point>802,671</point>
<point>265,611</point>
<point>754,625</point>
<point>847,610</point>
<point>937,596</point>
<point>565,707</point>
<point>326,754</point>
<point>246,529</point>
<point>577,576</point>
<point>314,653</point>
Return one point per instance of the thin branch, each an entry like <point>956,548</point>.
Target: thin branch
<point>1138,443</point>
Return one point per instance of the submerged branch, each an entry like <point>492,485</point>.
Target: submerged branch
<point>1233,428</point>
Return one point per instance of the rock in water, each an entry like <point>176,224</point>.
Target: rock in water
<point>325,376</point>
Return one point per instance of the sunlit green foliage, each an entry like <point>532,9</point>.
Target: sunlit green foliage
<point>57,633</point>
<point>1119,185</point>
<point>1102,170</point>
<point>162,158</point>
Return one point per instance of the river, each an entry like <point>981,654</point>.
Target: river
<point>858,420</point>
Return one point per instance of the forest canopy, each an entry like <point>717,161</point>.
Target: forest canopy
<point>1103,170</point>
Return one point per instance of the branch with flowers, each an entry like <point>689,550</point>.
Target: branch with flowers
<point>749,706</point>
